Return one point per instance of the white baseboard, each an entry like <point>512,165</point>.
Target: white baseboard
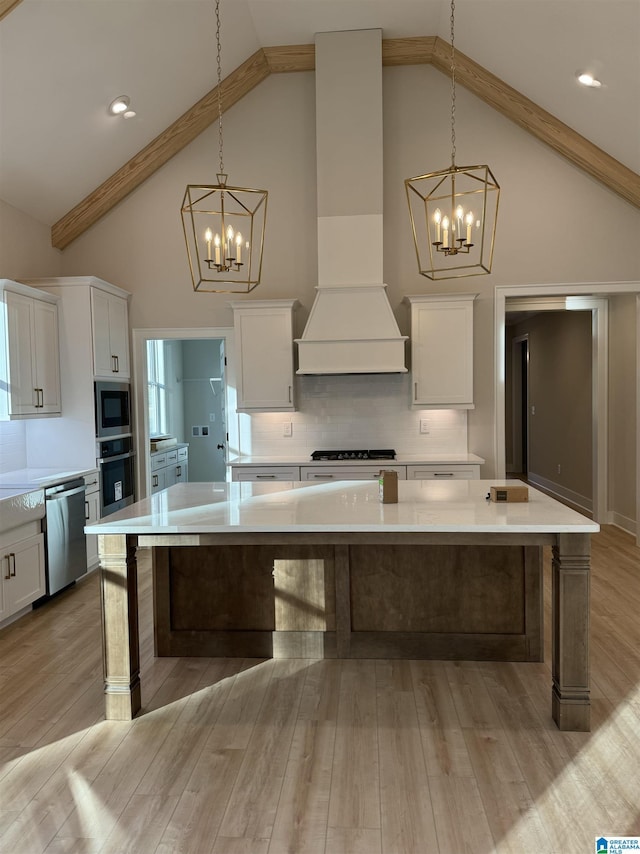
<point>620,521</point>
<point>581,502</point>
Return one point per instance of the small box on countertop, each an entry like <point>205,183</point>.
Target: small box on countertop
<point>159,443</point>
<point>388,481</point>
<point>509,493</point>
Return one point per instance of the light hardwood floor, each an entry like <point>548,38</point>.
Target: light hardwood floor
<point>316,757</point>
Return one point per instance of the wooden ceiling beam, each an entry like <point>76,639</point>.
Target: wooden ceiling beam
<point>154,155</point>
<point>538,122</point>
<point>7,6</point>
<point>292,58</point>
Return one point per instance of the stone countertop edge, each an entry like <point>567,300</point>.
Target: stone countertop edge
<point>400,460</point>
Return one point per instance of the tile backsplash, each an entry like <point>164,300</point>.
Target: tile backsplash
<point>353,411</point>
<point>13,446</point>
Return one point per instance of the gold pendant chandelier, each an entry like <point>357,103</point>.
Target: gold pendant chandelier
<point>453,211</point>
<point>224,225</point>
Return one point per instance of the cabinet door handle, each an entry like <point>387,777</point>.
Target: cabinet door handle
<point>323,476</point>
<point>41,398</point>
<point>290,390</point>
<point>443,474</point>
<point>8,560</point>
<point>154,481</point>
<point>259,476</point>
<point>415,391</point>
<point>86,511</point>
<point>13,562</point>
<point>117,365</point>
<point>37,396</point>
<point>178,471</point>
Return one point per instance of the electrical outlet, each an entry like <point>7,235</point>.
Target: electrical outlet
<point>287,428</point>
<point>212,416</point>
<point>424,426</point>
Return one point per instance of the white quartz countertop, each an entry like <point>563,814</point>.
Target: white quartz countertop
<point>401,459</point>
<point>40,478</point>
<point>343,506</point>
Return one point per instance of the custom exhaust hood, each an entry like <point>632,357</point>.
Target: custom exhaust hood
<point>351,326</point>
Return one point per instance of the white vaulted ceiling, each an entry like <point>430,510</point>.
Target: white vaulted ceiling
<point>63,61</point>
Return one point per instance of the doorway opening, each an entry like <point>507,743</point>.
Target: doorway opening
<point>518,436</point>
<point>184,390</point>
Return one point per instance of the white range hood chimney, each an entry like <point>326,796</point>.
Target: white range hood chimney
<point>351,327</point>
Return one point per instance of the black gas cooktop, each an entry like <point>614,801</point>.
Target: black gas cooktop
<point>385,454</point>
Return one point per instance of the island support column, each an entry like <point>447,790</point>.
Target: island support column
<point>121,645</point>
<point>570,636</point>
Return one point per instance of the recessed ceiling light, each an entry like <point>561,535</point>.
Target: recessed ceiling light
<point>119,105</point>
<point>587,79</point>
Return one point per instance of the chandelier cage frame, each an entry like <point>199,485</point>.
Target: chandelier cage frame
<point>224,225</point>
<point>474,188</point>
<point>454,211</point>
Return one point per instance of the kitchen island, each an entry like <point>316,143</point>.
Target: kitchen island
<point>326,570</point>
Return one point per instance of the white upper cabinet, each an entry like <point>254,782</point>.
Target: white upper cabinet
<point>442,351</point>
<point>110,327</point>
<point>264,355</point>
<point>30,360</point>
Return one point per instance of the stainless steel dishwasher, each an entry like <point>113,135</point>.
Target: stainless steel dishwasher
<point>66,549</point>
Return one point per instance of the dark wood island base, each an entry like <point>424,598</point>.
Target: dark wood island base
<point>457,596</point>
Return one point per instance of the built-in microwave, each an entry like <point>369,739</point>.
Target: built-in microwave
<point>113,409</point>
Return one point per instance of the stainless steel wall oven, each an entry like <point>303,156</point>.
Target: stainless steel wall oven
<point>115,460</point>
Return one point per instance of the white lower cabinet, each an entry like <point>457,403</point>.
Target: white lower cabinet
<point>169,467</point>
<point>448,472</point>
<point>91,515</point>
<point>324,473</point>
<point>23,576</point>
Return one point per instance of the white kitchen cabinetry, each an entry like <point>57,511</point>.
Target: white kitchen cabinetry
<point>110,325</point>
<point>264,355</point>
<point>92,514</point>
<point>245,473</point>
<point>324,473</point>
<point>22,561</point>
<point>169,467</point>
<point>442,351</point>
<point>30,359</point>
<point>447,472</point>
<point>71,439</point>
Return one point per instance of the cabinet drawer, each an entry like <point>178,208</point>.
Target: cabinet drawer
<point>453,472</point>
<point>325,473</point>
<point>172,457</point>
<point>183,453</point>
<point>91,482</point>
<point>246,473</point>
<point>158,461</point>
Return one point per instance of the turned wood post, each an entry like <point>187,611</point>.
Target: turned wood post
<point>120,639</point>
<point>570,632</point>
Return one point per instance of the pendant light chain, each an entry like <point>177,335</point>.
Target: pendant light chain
<point>453,90</point>
<point>219,86</point>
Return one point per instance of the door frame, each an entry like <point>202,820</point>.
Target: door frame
<point>141,399</point>
<point>585,289</point>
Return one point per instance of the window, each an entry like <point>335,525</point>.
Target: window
<point>157,388</point>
